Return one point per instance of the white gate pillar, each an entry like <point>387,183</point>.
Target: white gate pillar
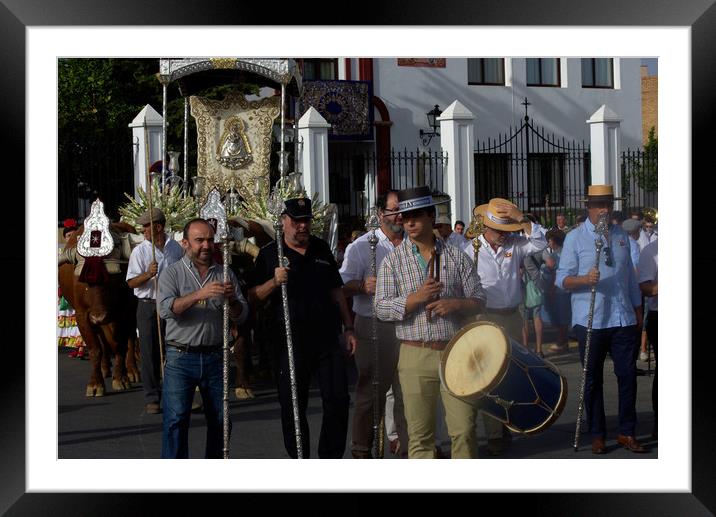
<point>146,144</point>
<point>457,130</point>
<point>605,135</point>
<point>313,135</point>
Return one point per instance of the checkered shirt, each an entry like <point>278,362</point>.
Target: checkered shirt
<point>401,274</point>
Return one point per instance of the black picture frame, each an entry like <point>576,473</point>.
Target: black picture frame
<point>16,15</point>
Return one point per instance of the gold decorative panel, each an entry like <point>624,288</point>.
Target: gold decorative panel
<point>234,142</point>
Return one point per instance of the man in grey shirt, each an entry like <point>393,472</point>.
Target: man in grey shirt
<point>191,300</point>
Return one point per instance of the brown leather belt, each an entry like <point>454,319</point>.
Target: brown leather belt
<point>433,345</point>
<point>506,310</point>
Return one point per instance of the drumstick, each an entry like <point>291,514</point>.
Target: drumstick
<point>431,274</point>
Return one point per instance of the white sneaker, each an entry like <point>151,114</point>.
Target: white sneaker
<point>643,356</point>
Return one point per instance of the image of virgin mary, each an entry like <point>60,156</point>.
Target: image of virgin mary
<point>234,150</point>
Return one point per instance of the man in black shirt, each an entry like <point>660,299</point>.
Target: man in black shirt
<point>317,307</point>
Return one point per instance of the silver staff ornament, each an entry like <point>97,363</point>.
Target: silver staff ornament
<point>276,206</point>
<point>378,422</point>
<point>601,230</point>
<point>215,213</point>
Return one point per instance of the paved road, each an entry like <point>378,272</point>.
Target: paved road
<point>116,426</point>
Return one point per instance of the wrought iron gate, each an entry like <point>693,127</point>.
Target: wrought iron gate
<point>353,175</point>
<point>539,172</point>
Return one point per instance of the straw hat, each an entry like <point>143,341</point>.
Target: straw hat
<point>494,221</point>
<point>600,193</point>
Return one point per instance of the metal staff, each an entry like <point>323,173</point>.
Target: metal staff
<point>275,207</point>
<point>600,230</point>
<point>378,422</point>
<point>154,257</point>
<point>225,372</point>
<point>214,210</point>
<point>476,228</point>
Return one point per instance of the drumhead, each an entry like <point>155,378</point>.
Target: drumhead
<point>475,360</point>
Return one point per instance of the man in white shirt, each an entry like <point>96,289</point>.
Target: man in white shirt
<point>498,266</point>
<point>444,228</point>
<point>360,284</point>
<point>648,278</point>
<point>142,273</point>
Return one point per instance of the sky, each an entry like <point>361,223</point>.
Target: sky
<point>652,64</point>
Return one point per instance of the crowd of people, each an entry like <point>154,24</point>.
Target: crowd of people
<point>407,288</point>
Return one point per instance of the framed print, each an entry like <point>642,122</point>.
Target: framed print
<point>28,30</point>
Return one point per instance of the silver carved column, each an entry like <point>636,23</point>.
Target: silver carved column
<point>215,212</point>
<point>276,205</point>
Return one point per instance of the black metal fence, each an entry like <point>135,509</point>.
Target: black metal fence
<point>639,179</point>
<point>542,174</point>
<point>353,175</point>
<point>412,169</point>
<point>102,169</point>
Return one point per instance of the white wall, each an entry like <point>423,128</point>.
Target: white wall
<point>410,92</point>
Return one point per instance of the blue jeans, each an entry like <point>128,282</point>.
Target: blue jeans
<point>621,343</point>
<point>183,372</point>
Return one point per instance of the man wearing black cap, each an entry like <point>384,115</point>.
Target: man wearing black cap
<point>316,307</point>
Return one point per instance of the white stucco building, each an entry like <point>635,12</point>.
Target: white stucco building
<point>563,95</point>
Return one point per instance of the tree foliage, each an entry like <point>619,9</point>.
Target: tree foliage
<point>645,169</point>
<point>99,95</point>
<point>97,99</point>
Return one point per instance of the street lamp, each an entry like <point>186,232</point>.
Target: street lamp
<point>432,115</point>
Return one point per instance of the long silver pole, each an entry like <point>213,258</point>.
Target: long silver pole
<point>600,230</point>
<point>164,134</point>
<point>284,291</point>
<point>378,437</point>
<point>289,344</point>
<point>226,352</point>
<point>294,103</point>
<point>186,146</point>
<point>154,253</point>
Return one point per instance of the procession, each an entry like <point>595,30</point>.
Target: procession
<point>262,307</point>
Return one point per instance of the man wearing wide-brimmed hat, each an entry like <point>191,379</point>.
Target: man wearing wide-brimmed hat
<point>427,288</point>
<point>501,254</point>
<point>616,318</point>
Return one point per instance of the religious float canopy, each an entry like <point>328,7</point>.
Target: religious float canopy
<point>233,134</point>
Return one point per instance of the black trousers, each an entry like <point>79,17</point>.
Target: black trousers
<point>149,350</point>
<point>323,358</point>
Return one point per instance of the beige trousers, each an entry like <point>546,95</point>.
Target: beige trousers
<point>419,372</point>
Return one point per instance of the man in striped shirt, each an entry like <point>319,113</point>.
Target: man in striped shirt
<point>428,308</point>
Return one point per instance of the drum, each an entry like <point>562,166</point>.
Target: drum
<point>481,365</point>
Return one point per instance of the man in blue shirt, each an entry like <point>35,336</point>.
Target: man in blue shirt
<point>617,317</point>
